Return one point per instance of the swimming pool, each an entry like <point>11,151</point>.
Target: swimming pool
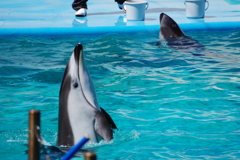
<point>167,104</point>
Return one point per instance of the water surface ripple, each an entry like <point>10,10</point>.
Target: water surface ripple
<point>167,103</point>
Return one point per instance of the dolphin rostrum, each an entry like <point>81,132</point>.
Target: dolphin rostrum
<point>79,111</point>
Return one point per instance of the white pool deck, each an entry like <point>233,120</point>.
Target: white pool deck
<point>28,17</point>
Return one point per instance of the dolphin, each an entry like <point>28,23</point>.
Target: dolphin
<point>176,38</point>
<point>79,111</point>
<point>169,29</point>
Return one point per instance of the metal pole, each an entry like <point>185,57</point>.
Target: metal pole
<point>33,135</point>
<point>75,148</point>
<point>90,156</point>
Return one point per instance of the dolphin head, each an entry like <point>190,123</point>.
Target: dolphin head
<point>169,28</point>
<point>77,100</point>
<point>77,78</point>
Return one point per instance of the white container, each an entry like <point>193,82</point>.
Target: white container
<point>135,10</point>
<point>196,8</point>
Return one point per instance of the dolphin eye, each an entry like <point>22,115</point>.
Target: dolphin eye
<point>75,85</point>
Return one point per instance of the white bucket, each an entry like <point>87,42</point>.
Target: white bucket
<point>195,8</point>
<point>136,10</point>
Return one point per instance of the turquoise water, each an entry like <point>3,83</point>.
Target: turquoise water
<point>233,2</point>
<point>167,104</point>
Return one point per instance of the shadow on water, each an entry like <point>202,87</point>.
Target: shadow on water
<point>54,152</point>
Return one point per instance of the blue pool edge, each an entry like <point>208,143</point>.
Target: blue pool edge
<point>212,26</point>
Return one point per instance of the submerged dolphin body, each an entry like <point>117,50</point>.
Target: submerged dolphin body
<point>79,111</point>
<point>175,37</point>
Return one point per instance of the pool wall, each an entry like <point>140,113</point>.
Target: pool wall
<point>216,26</point>
<point>57,17</point>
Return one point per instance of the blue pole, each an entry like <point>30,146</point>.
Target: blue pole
<point>75,148</point>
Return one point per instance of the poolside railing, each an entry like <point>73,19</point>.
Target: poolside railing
<point>33,135</point>
<point>34,141</point>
